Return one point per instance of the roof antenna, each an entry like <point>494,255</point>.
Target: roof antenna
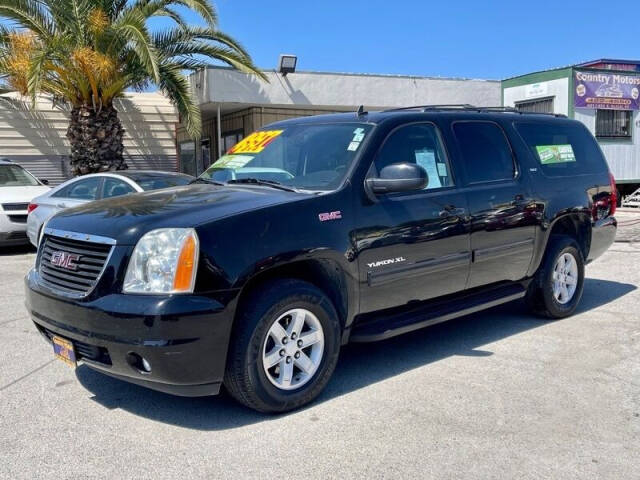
<point>361,111</point>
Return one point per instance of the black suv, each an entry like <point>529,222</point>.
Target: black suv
<point>316,232</point>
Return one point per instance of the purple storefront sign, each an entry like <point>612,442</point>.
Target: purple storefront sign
<point>611,91</point>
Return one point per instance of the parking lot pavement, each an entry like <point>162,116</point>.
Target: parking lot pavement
<point>628,225</point>
<point>498,394</point>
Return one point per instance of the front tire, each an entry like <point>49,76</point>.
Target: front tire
<point>556,290</point>
<point>284,347</point>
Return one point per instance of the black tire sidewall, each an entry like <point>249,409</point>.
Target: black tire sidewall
<point>267,309</point>
<point>561,245</point>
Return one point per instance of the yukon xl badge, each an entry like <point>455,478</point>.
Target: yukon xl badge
<point>388,261</point>
<point>324,217</point>
<point>65,260</point>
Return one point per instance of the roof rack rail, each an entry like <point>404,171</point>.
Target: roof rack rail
<point>471,108</point>
<point>448,106</point>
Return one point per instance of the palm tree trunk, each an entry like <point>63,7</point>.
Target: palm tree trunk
<point>96,140</point>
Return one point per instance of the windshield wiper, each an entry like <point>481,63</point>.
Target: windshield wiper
<point>267,183</point>
<point>205,180</point>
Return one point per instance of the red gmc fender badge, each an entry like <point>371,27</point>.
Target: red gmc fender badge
<point>324,217</point>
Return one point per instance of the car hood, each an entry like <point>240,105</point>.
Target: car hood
<point>125,219</point>
<point>21,194</point>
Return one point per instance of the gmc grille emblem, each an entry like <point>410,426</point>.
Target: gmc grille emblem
<point>65,260</point>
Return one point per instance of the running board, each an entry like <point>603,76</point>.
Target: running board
<point>432,312</point>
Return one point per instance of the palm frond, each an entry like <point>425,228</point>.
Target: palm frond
<point>28,14</point>
<point>176,86</point>
<point>151,8</point>
<point>91,51</point>
<point>131,28</point>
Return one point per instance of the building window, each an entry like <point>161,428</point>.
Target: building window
<point>187,152</point>
<point>613,123</point>
<point>231,138</point>
<point>540,105</point>
<point>205,149</point>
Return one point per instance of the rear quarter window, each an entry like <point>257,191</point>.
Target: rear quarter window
<point>562,149</point>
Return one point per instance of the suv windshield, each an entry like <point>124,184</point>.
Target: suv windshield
<point>16,176</point>
<point>310,157</point>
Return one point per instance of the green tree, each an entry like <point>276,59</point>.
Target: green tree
<point>89,52</point>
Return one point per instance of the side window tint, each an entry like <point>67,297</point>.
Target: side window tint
<point>80,190</point>
<point>421,144</point>
<point>485,152</point>
<point>562,149</point>
<point>115,188</point>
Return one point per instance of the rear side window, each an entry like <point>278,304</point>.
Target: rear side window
<point>156,183</point>
<point>486,154</point>
<point>114,187</point>
<point>80,190</point>
<point>562,149</point>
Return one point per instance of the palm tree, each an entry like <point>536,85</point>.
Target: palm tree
<point>89,52</point>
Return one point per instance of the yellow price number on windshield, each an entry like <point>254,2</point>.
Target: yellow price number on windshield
<point>255,143</point>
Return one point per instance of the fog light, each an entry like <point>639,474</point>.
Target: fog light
<point>138,362</point>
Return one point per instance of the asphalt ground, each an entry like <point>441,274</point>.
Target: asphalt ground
<point>499,394</point>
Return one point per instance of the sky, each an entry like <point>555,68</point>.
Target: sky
<point>461,38</point>
<point>445,38</point>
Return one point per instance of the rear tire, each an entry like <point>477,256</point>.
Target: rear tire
<point>271,331</point>
<point>556,289</point>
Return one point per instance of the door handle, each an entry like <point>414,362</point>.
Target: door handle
<point>451,211</point>
<point>61,205</point>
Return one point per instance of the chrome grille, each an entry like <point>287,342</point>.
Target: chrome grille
<point>89,261</point>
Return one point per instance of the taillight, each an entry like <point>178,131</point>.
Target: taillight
<point>31,207</point>
<point>614,195</point>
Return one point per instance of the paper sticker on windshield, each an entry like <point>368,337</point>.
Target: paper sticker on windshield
<point>233,161</point>
<point>353,146</point>
<point>550,154</point>
<point>256,142</point>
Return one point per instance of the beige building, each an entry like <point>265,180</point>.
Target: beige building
<point>35,137</point>
<point>235,104</point>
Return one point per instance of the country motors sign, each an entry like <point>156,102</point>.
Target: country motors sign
<point>610,91</point>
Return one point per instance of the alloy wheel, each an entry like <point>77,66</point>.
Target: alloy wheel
<point>293,349</point>
<point>565,278</point>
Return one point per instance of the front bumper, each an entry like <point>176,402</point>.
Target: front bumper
<point>183,337</point>
<point>12,233</point>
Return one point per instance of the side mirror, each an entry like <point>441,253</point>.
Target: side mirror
<point>43,181</point>
<point>398,177</point>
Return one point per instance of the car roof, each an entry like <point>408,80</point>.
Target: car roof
<point>136,174</point>
<point>425,112</point>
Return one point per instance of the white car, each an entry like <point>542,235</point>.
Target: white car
<point>17,188</point>
<point>96,186</point>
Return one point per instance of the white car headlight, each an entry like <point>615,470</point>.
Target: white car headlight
<point>164,261</point>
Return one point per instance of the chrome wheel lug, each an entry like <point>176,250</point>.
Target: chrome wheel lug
<point>293,336</point>
<point>297,355</point>
<point>282,352</point>
<point>285,340</point>
<point>299,343</point>
<point>288,360</point>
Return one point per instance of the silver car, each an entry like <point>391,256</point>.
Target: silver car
<point>96,186</point>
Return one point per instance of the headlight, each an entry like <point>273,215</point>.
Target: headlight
<point>164,261</point>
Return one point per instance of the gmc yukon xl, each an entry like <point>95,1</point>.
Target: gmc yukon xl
<point>315,232</point>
